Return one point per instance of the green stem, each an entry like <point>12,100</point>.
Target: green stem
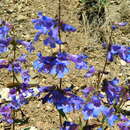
<point>59,34</point>
<point>105,64</point>
<point>14,77</point>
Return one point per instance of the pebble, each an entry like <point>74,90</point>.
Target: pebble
<point>122,62</point>
<point>21,17</point>
<point>4,94</point>
<point>126,106</point>
<point>30,128</point>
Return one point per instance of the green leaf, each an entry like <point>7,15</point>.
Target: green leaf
<point>28,128</point>
<point>62,113</point>
<point>83,1</point>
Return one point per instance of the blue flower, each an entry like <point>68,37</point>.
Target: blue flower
<point>47,21</point>
<point>4,30</point>
<point>37,35</point>
<point>69,126</point>
<point>87,90</point>
<point>93,109</point>
<point>112,90</point>
<point>117,25</point>
<point>104,45</point>
<point>44,63</point>
<point>6,113</point>
<point>114,50</point>
<point>78,60</point>
<point>4,39</point>
<point>122,51</point>
<point>44,24</point>
<point>114,27</point>
<point>15,66</point>
<point>25,76</point>
<point>51,42</point>
<point>110,116</point>
<point>54,34</point>
<point>60,68</point>
<point>17,102</point>
<point>57,97</point>
<point>49,26</point>
<point>122,23</point>
<point>125,54</point>
<point>74,103</point>
<point>4,63</point>
<point>29,46</point>
<point>22,58</point>
<point>100,128</point>
<point>52,65</point>
<point>53,38</point>
<point>64,99</point>
<point>67,28</point>
<point>124,125</point>
<point>4,43</point>
<point>90,72</point>
<point>111,119</point>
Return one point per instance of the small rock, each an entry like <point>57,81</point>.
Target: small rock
<point>21,17</point>
<point>39,125</point>
<point>126,106</point>
<point>69,119</point>
<point>49,107</point>
<point>122,62</point>
<point>4,94</point>
<point>30,128</point>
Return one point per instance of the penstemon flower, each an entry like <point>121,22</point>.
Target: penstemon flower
<point>105,102</point>
<point>69,126</point>
<point>112,90</point>
<point>5,112</point>
<point>117,25</point>
<point>58,64</point>
<point>4,39</point>
<point>63,100</point>
<point>122,51</point>
<point>29,45</point>
<point>4,63</point>
<point>124,125</point>
<point>49,26</point>
<point>93,108</point>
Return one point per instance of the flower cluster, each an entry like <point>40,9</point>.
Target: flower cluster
<point>28,45</point>
<point>17,97</point>
<point>124,125</point>
<point>113,91</point>
<point>64,100</point>
<point>105,103</point>
<point>122,51</point>
<point>4,38</point>
<point>58,64</point>
<point>49,26</point>
<point>17,91</point>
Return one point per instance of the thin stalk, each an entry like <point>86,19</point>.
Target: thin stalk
<point>106,61</point>
<point>14,78</point>
<point>59,34</point>
<point>60,118</point>
<point>59,20</point>
<point>60,86</point>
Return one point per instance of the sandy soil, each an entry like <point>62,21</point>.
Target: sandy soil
<point>87,39</point>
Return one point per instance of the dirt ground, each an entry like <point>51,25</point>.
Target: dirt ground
<point>87,39</point>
